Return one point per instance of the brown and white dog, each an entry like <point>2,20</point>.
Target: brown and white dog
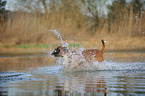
<point>88,54</point>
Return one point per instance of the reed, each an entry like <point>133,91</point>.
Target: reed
<point>26,28</point>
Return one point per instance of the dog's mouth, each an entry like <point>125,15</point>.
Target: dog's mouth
<point>55,54</point>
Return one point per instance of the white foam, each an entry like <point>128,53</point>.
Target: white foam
<point>72,62</point>
<point>76,62</point>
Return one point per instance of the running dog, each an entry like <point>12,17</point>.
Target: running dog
<point>91,54</point>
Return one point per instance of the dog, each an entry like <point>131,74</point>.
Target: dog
<point>91,54</point>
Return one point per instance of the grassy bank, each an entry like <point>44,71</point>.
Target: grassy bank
<point>124,44</point>
<point>123,28</point>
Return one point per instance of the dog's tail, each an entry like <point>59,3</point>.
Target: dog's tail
<point>103,48</point>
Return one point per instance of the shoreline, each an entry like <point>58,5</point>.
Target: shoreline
<point>112,45</point>
<point>46,52</point>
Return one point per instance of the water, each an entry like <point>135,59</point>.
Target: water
<point>64,44</point>
<point>120,74</point>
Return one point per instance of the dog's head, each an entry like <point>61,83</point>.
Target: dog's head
<point>59,51</point>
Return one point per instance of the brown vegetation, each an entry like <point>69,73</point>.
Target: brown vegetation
<point>122,27</point>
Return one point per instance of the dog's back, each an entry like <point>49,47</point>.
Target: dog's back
<point>94,54</point>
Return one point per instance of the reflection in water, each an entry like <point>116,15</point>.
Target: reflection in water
<point>76,84</point>
<point>86,83</point>
<point>38,76</point>
<point>22,63</point>
<point>83,83</point>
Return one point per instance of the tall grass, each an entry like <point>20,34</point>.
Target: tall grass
<point>125,22</point>
<point>73,25</point>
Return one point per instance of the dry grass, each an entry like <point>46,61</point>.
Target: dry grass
<point>125,31</point>
<point>115,43</point>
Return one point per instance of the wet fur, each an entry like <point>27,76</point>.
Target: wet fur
<point>88,54</point>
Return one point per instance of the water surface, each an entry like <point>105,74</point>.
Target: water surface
<point>120,74</point>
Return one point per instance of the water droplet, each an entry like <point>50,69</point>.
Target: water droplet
<point>135,16</point>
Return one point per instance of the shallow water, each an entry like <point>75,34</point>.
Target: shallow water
<point>121,73</point>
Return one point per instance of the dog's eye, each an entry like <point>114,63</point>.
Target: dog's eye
<point>56,50</point>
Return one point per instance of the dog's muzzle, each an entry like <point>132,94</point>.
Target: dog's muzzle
<point>56,52</point>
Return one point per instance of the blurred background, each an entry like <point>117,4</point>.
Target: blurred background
<point>120,22</point>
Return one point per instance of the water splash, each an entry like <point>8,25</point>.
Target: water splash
<point>71,61</point>
<point>64,44</point>
<point>74,61</point>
